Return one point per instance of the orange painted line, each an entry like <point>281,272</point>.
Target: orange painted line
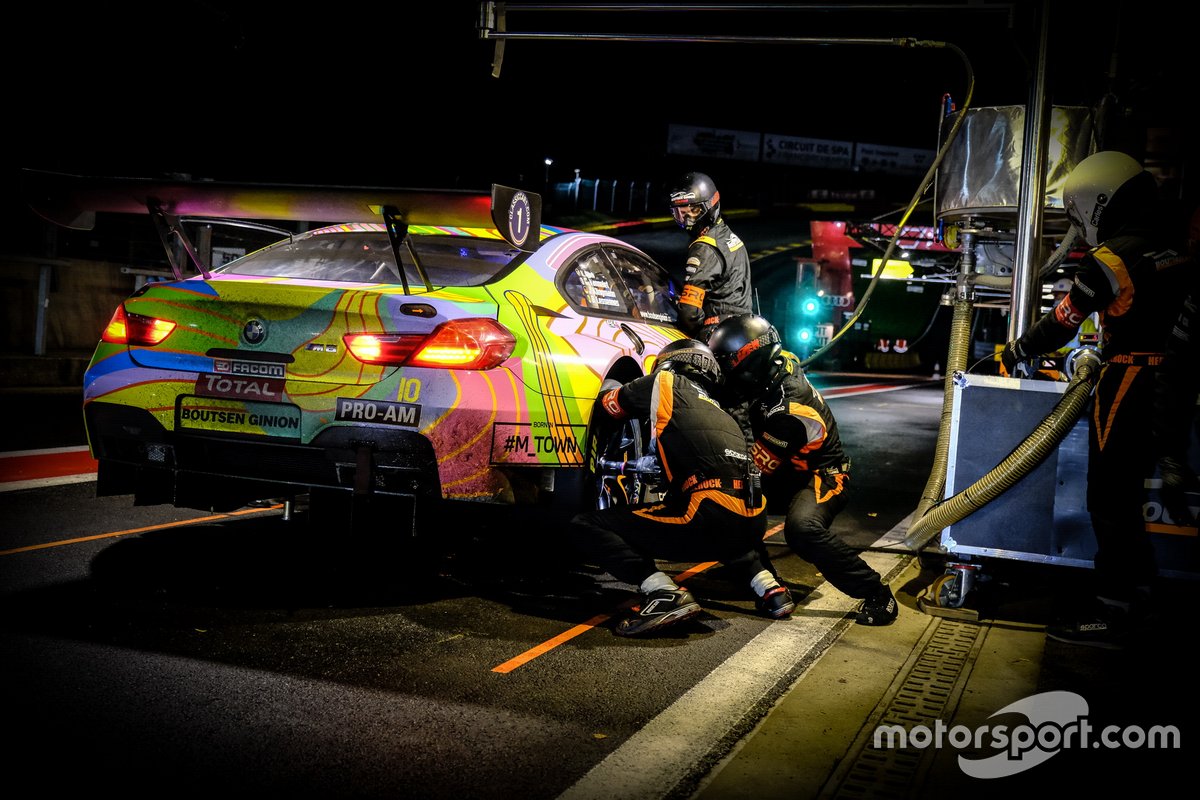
<point>696,570</point>
<point>565,636</point>
<point>599,619</point>
<point>25,467</point>
<point>132,531</point>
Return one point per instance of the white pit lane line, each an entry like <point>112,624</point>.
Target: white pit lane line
<point>667,750</point>
<point>38,483</point>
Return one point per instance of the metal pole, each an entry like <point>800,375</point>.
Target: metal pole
<point>1025,285</point>
<point>43,306</point>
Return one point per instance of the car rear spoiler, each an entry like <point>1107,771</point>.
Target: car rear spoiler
<point>72,201</point>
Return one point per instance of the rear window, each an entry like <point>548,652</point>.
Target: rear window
<point>365,256</point>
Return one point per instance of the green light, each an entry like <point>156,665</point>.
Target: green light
<point>809,305</point>
<point>805,334</point>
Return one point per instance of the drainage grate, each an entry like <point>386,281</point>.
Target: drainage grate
<point>926,689</point>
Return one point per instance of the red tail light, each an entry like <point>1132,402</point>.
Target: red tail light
<point>474,343</point>
<point>125,327</point>
<point>383,348</point>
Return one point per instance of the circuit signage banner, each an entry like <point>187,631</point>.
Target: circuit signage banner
<point>688,140</point>
<point>799,151</point>
<point>885,158</point>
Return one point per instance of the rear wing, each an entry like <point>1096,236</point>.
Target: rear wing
<point>72,201</point>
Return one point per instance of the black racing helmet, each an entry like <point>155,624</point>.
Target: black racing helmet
<point>692,359</point>
<point>697,192</point>
<point>749,351</point>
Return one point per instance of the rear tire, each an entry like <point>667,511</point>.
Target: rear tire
<point>617,442</point>
<point>593,487</point>
<point>618,445</point>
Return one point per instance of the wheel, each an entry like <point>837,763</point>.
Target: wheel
<point>946,591</point>
<point>611,444</point>
<point>613,487</point>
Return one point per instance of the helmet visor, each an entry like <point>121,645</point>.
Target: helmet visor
<point>687,215</point>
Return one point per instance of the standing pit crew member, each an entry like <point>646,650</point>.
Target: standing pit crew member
<point>717,274</point>
<point>1135,277</point>
<point>712,509</point>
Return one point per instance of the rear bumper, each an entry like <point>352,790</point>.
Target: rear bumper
<point>137,454</point>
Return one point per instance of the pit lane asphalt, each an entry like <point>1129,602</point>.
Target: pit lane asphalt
<point>252,654</point>
<point>248,653</point>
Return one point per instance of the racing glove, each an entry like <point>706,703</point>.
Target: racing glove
<point>646,465</point>
<point>1178,480</point>
<point>1012,354</point>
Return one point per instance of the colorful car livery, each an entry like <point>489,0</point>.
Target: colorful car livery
<point>410,351</point>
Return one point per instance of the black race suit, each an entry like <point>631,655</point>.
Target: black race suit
<point>799,451</point>
<point>1137,285</point>
<point>705,514</point>
<point>716,281</point>
<point>1178,379</point>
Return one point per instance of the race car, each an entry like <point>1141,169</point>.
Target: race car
<point>429,346</point>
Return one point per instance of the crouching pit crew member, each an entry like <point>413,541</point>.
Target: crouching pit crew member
<point>712,509</point>
<point>797,446</point>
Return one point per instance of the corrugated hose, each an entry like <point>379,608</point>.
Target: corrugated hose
<point>1024,458</point>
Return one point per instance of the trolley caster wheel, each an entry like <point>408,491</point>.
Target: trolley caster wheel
<point>951,590</point>
<point>946,591</point>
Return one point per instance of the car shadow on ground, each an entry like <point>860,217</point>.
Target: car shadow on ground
<point>143,590</point>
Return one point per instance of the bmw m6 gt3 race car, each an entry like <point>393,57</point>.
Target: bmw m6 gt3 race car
<point>427,346</point>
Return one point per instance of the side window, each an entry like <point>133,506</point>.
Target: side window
<point>649,286</point>
<point>592,287</point>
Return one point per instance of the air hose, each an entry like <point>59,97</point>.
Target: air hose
<point>956,358</point>
<point>1024,458</point>
<point>956,362</point>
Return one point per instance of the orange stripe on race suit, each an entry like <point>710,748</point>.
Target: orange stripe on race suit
<point>839,484</point>
<point>1102,431</point>
<point>808,413</point>
<point>734,504</point>
<point>692,296</point>
<point>1116,267</point>
<point>661,415</point>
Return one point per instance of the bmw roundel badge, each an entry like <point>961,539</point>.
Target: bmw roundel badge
<point>254,332</point>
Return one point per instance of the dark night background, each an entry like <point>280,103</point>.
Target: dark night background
<point>402,95</point>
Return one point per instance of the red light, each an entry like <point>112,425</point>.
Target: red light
<point>473,343</point>
<point>478,343</point>
<point>125,327</point>
<point>381,348</point>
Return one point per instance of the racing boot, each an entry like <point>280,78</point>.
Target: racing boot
<point>658,609</point>
<point>880,608</point>
<point>1102,623</point>
<point>776,603</point>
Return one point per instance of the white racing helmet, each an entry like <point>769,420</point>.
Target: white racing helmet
<point>1091,186</point>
